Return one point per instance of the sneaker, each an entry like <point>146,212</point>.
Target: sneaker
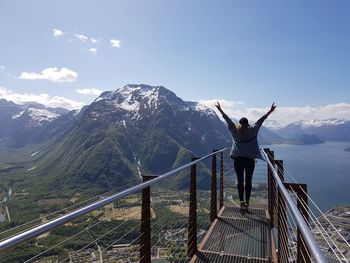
<point>242,210</point>
<point>246,206</point>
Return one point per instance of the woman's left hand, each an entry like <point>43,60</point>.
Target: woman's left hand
<point>273,107</point>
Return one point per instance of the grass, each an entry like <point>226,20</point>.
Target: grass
<point>3,165</point>
<point>180,209</point>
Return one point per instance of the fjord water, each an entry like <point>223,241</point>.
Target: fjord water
<point>325,168</point>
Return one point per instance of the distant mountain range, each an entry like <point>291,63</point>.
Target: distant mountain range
<point>122,134</point>
<point>326,130</point>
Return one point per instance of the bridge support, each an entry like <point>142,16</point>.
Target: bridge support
<point>302,204</point>
<point>271,195</point>
<point>192,219</point>
<point>221,180</point>
<point>145,242</point>
<point>213,199</point>
<point>281,219</point>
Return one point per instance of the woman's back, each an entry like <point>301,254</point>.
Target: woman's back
<point>245,142</point>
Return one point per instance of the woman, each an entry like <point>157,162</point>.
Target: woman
<point>244,150</point>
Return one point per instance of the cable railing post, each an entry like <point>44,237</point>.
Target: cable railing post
<point>303,206</point>
<point>271,186</point>
<point>213,199</point>
<point>192,220</point>
<point>281,218</point>
<point>145,237</point>
<point>221,180</point>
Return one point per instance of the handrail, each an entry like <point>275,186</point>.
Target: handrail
<point>309,239</point>
<point>38,230</point>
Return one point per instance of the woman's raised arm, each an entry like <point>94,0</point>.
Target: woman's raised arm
<point>264,117</point>
<point>231,125</point>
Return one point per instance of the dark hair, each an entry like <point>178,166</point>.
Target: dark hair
<point>243,121</point>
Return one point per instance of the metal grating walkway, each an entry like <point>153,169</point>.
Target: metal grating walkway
<point>237,238</point>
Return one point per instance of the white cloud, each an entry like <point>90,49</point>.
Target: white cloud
<point>287,115</point>
<point>81,37</point>
<point>57,32</point>
<point>91,91</point>
<point>115,43</point>
<point>94,40</point>
<point>283,115</point>
<point>52,74</point>
<point>45,99</point>
<point>4,92</point>
<point>225,104</point>
<point>93,50</point>
<point>2,67</point>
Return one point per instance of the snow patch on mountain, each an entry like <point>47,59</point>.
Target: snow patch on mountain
<point>42,115</point>
<point>31,169</point>
<point>35,153</point>
<point>103,96</point>
<point>76,112</point>
<point>133,96</point>
<point>137,100</point>
<point>130,97</point>
<point>129,105</point>
<point>200,107</point>
<point>18,115</point>
<point>272,124</point>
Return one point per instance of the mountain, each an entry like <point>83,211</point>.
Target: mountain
<point>123,134</point>
<point>23,124</point>
<point>267,136</point>
<point>338,130</point>
<point>303,139</point>
<point>326,130</point>
<point>134,130</point>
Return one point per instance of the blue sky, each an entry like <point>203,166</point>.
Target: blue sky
<point>295,53</point>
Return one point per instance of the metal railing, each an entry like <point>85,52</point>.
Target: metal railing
<point>43,228</point>
<point>278,200</point>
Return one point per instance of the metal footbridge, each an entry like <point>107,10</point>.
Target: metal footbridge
<point>280,229</point>
<point>237,238</point>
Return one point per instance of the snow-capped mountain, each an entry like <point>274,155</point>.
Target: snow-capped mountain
<point>36,116</point>
<point>134,101</point>
<point>20,124</point>
<point>134,130</point>
<point>145,106</point>
<point>275,125</point>
<point>33,114</point>
<point>320,123</point>
<point>327,130</point>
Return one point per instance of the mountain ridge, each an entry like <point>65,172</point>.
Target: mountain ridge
<point>326,130</point>
<point>135,129</point>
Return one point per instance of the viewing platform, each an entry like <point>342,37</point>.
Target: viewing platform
<point>237,238</point>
